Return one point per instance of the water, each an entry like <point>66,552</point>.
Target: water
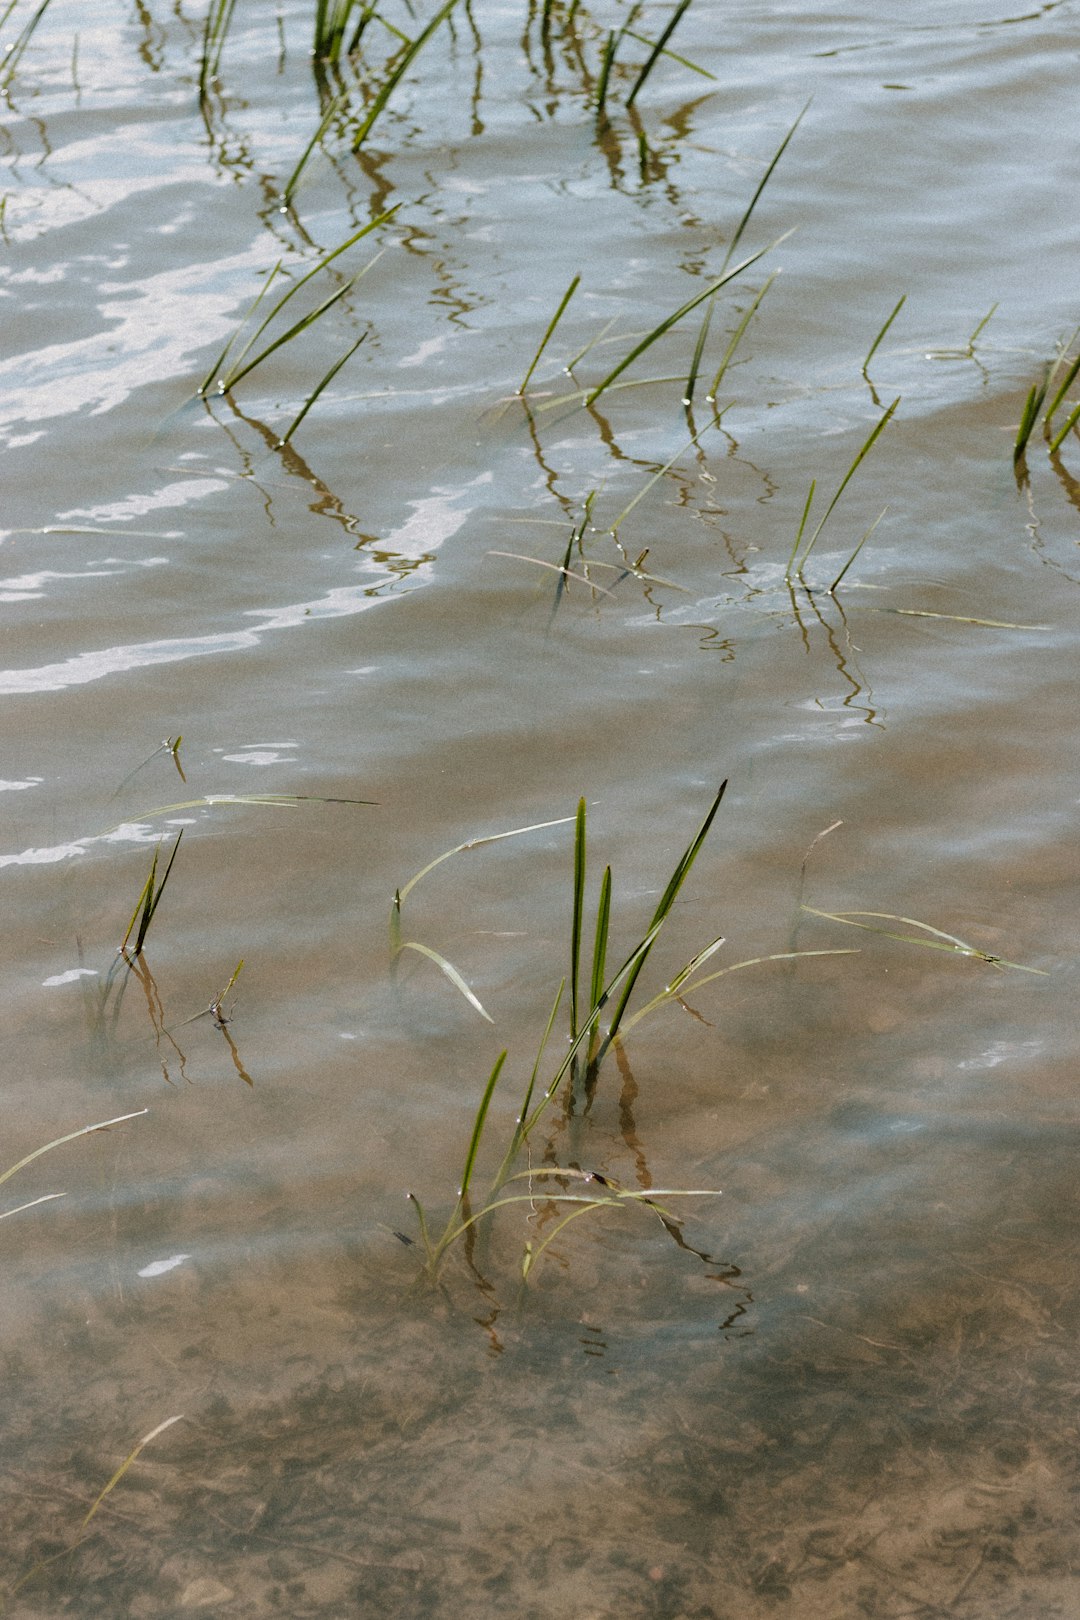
<point>851,1392</point>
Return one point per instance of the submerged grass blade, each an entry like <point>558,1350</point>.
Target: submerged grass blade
<point>85,1130</point>
<point>552,324</point>
<point>672,320</point>
<point>938,940</point>
<point>125,1465</point>
<point>451,973</point>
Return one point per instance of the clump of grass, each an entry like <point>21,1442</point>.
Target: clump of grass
<point>595,992</point>
<point>147,903</point>
<point>227,377</point>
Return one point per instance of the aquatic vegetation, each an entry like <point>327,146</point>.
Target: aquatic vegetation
<point>797,560</point>
<point>13,52</point>
<point>593,993</point>
<point>147,903</point>
<point>873,349</point>
<point>1036,398</point>
<point>934,939</point>
<point>227,378</point>
<point>72,1136</point>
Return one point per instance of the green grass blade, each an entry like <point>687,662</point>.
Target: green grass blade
<point>531,1087</point>
<point>313,396</point>
<point>532,1255</point>
<point>872,350</point>
<point>215,369</point>
<point>578,914</point>
<point>875,434</point>
<point>657,50</point>
<point>766,177</point>
<point>156,895</point>
<point>237,373</point>
<point>451,973</point>
<point>552,324</point>
<point>600,943</point>
<point>1070,378</point>
<point>671,320</point>
<point>802,526</point>
<point>666,468</point>
<point>667,900</point>
<point>605,72</point>
<point>399,71</point>
<point>16,49</point>
<point>671,991</point>
<point>320,264</point>
<point>146,894</point>
<point>736,339</point>
<point>858,548</point>
<point>699,349</point>
<point>683,61</point>
<point>218,18</point>
<point>1060,437</point>
<point>478,1127</point>
<point>1029,416</point>
<point>324,123</point>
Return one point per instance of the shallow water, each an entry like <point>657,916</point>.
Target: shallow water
<point>850,1390</point>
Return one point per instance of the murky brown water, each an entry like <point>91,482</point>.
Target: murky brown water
<point>853,1391</point>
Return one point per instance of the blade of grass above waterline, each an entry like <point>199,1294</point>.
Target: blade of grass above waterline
<point>148,900</point>
<point>666,468</point>
<point>699,349</point>
<point>875,433</point>
<point>683,61</point>
<point>220,361</point>
<point>737,337</point>
<point>312,397</point>
<point>578,915</point>
<point>323,125</point>
<point>667,900</point>
<point>15,51</point>
<point>858,548</point>
<point>238,373</point>
<point>218,18</point>
<point>671,320</point>
<point>397,73</point>
<point>605,72</point>
<point>766,177</point>
<point>1059,438</point>
<point>552,324</point>
<point>799,533</point>
<point>321,264</point>
<point>1029,416</point>
<point>939,942</point>
<point>451,973</point>
<point>657,50</point>
<point>872,350</point>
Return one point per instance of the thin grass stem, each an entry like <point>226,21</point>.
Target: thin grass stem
<point>858,548</point>
<point>766,177</point>
<point>736,338</point>
<point>657,50</point>
<point>312,397</point>
<point>552,324</point>
<point>872,350</point>
<point>399,71</point>
<point>871,440</point>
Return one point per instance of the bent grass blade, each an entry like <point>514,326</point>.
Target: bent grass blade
<point>939,940</point>
<point>451,973</point>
